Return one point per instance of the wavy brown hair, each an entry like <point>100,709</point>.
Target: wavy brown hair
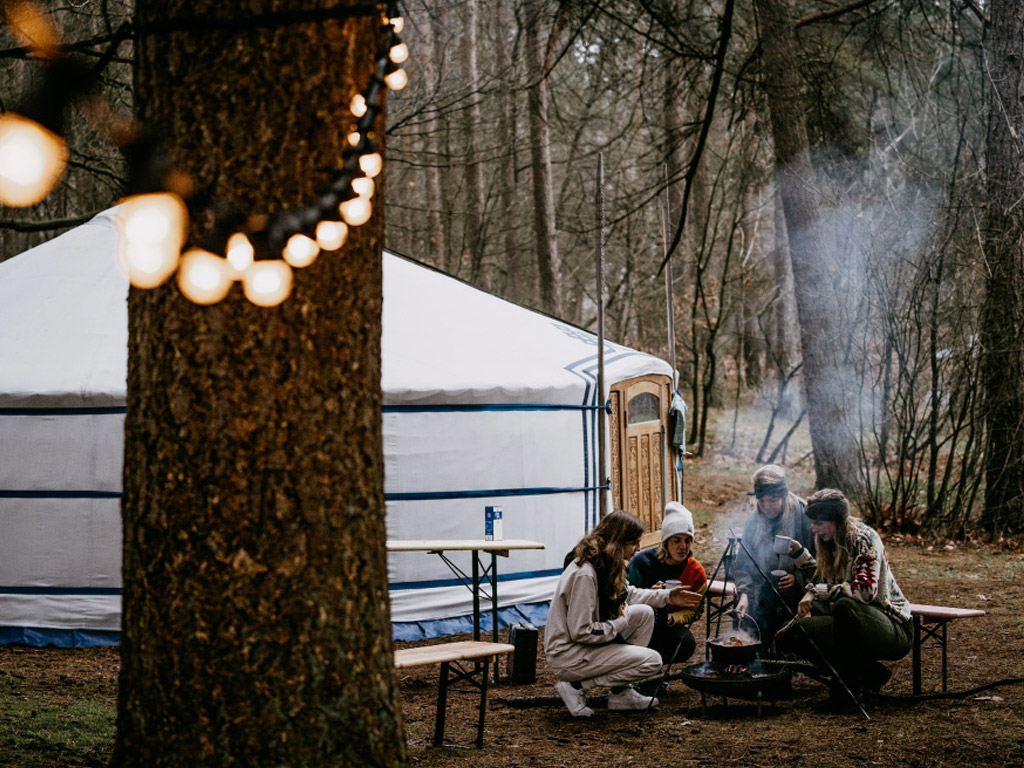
<point>603,549</point>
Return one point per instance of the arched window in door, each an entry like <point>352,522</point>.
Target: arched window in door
<point>643,408</point>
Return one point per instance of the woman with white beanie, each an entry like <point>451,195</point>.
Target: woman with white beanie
<point>673,560</point>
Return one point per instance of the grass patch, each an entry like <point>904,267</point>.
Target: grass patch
<point>38,732</point>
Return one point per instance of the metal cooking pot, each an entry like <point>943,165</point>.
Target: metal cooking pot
<point>725,653</point>
<point>738,647</point>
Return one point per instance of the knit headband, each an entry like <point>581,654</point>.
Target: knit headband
<point>781,488</point>
<point>834,510</point>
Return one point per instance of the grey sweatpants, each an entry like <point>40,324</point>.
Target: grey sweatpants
<point>617,663</point>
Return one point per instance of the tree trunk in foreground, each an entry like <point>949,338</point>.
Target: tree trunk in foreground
<point>835,447</point>
<point>1002,324</point>
<point>256,629</point>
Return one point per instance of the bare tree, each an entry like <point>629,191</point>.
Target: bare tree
<point>1002,327</point>
<point>835,447</point>
<point>545,241</point>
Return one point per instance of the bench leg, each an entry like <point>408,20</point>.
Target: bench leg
<point>442,704</point>
<point>917,656</point>
<point>942,641</point>
<point>482,670</point>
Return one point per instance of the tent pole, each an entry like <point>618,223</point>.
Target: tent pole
<point>671,327</point>
<point>602,415</point>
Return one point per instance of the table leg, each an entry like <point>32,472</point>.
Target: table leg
<point>476,594</point>
<point>494,598</point>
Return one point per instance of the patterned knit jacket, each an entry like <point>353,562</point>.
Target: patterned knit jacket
<point>868,578</point>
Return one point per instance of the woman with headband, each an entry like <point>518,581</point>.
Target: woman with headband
<point>776,537</point>
<point>853,613</point>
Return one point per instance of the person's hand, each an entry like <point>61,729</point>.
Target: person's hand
<point>803,608</point>
<point>786,582</point>
<point>658,585</point>
<point>683,598</point>
<point>743,603</point>
<point>794,547</point>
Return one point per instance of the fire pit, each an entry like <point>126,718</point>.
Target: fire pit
<point>756,681</point>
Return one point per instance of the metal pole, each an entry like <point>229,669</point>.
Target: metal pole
<point>670,322</point>
<point>602,415</point>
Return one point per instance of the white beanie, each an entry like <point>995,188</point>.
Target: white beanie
<point>678,519</point>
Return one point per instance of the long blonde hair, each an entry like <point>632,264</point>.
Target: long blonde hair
<point>604,548</point>
<point>834,556</point>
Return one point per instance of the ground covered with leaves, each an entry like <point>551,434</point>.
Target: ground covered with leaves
<point>57,707</point>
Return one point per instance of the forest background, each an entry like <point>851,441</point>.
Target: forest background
<point>840,224</point>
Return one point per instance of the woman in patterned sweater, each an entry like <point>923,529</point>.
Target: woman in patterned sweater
<point>852,610</point>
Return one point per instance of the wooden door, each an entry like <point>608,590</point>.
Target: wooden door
<point>641,460</point>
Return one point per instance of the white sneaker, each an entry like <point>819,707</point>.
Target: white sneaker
<point>630,699</point>
<point>575,699</point>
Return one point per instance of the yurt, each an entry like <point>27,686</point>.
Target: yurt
<point>485,404</point>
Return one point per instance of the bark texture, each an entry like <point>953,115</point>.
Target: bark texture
<point>256,629</point>
<point>1002,329</point>
<point>546,235</point>
<point>835,446</point>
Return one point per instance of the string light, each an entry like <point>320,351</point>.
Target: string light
<point>371,164</point>
<point>240,252</point>
<point>153,225</point>
<point>399,53</point>
<point>331,235</point>
<point>152,229</point>
<point>267,283</point>
<point>301,251</point>
<point>363,186</point>
<point>32,160</point>
<point>358,105</point>
<point>356,211</point>
<point>204,277</point>
<point>397,79</point>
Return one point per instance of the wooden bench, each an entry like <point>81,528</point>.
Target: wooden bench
<point>930,624</point>
<point>452,657</point>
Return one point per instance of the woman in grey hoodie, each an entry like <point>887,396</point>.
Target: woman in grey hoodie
<point>599,626</point>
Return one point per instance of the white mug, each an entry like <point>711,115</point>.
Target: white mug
<point>782,545</point>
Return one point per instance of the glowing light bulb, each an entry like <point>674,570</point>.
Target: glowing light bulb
<point>371,164</point>
<point>300,251</point>
<point>240,253</point>
<point>397,80</point>
<point>399,53</point>
<point>331,235</point>
<point>397,23</point>
<point>152,231</point>
<point>363,186</point>
<point>358,105</point>
<point>204,277</point>
<point>32,160</point>
<point>354,138</point>
<point>267,283</point>
<point>356,211</point>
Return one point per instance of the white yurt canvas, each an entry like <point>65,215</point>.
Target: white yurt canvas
<point>485,403</point>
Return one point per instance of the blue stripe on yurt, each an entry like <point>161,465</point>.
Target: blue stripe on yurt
<point>69,411</point>
<point>60,494</point>
<point>484,407</point>
<point>482,494</point>
<point>60,590</point>
<point>519,576</point>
